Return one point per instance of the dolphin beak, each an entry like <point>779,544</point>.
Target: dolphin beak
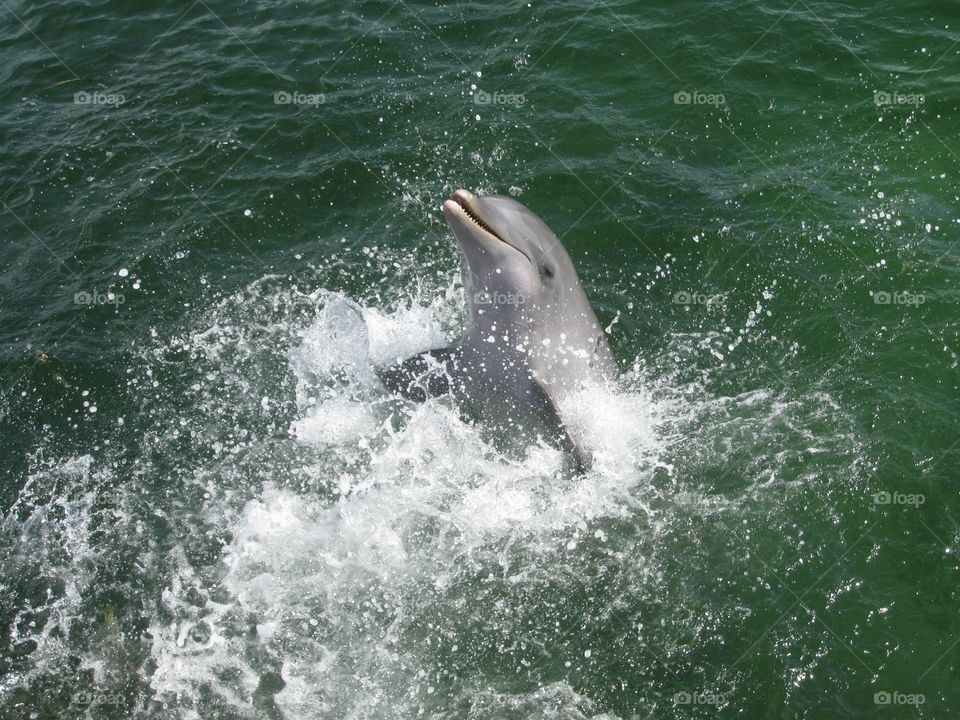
<point>461,209</point>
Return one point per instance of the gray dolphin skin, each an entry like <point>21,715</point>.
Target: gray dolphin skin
<point>531,338</point>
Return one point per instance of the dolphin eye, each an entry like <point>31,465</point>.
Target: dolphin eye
<point>546,271</point>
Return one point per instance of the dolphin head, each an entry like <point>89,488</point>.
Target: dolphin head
<point>524,297</point>
<point>514,264</point>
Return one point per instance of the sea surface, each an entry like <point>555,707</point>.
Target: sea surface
<point>219,218</point>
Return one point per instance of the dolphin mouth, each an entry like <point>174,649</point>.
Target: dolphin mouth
<point>462,204</point>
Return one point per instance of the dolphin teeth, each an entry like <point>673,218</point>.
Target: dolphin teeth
<point>476,219</point>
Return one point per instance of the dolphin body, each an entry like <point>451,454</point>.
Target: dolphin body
<point>531,337</point>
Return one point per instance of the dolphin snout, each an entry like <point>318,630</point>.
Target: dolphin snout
<point>459,199</point>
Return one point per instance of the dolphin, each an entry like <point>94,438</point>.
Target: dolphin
<point>531,337</point>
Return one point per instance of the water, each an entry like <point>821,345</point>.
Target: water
<point>219,219</point>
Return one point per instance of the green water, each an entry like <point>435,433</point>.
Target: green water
<point>213,510</point>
